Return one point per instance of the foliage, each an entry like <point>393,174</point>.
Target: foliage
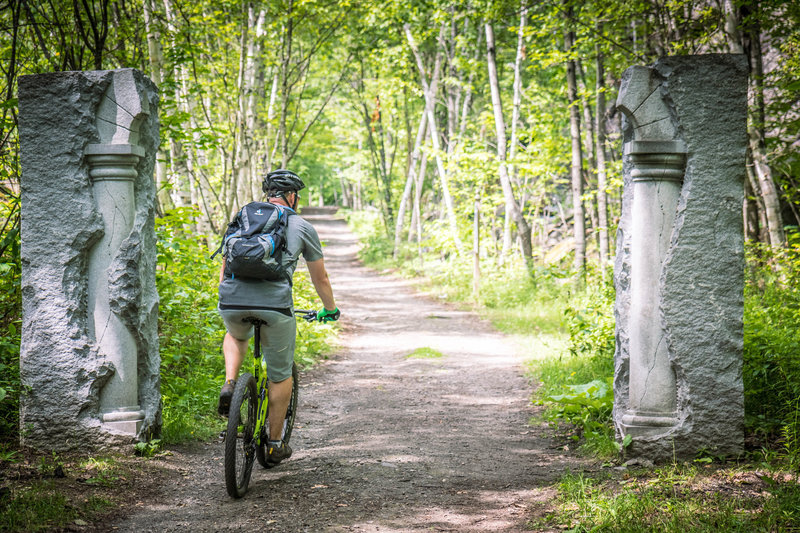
<point>577,384</point>
<point>10,315</point>
<point>771,365</point>
<point>147,449</point>
<point>376,248</point>
<point>190,330</point>
<point>587,406</point>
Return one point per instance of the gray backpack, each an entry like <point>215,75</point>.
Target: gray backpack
<point>254,242</point>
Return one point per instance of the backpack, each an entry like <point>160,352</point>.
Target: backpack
<point>254,242</point>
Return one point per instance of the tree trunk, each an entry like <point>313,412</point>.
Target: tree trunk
<point>750,44</point>
<point>410,180</point>
<point>600,151</point>
<point>758,148</point>
<point>415,231</point>
<point>430,90</point>
<point>285,57</point>
<point>500,127</point>
<point>577,155</point>
<point>156,59</point>
<point>516,102</point>
<point>476,248</point>
<point>241,137</point>
<point>272,136</point>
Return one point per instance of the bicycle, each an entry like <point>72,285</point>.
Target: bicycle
<point>248,429</point>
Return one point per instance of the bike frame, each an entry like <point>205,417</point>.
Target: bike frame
<point>260,372</point>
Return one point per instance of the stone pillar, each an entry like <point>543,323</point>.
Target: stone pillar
<point>679,267</point>
<point>112,169</point>
<point>656,175</point>
<point>89,354</point>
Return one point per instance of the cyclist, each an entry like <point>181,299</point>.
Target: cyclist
<point>271,301</point>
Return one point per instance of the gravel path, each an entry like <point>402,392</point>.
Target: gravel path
<point>384,442</point>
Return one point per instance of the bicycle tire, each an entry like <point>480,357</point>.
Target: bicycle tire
<point>239,441</point>
<point>288,423</point>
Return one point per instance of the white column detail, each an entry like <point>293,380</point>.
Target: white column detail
<point>113,171</point>
<point>658,162</point>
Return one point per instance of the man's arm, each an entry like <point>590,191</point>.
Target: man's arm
<point>322,284</point>
<point>222,270</point>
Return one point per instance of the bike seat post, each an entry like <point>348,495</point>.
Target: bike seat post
<point>257,323</point>
<point>257,339</point>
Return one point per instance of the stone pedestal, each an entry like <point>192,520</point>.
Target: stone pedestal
<point>680,262</point>
<point>89,355</point>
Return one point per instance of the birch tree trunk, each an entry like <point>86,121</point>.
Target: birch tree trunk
<point>577,155</point>
<point>272,132</point>
<point>600,151</point>
<point>241,151</point>
<point>517,99</point>
<point>750,43</point>
<point>286,56</point>
<point>156,59</point>
<point>500,127</point>
<point>254,78</point>
<point>418,186</point>
<point>430,90</point>
<point>758,148</point>
<point>410,180</point>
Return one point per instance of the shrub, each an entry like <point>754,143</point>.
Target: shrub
<point>10,316</point>
<point>771,371</point>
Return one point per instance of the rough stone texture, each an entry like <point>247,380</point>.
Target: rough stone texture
<point>59,360</point>
<point>701,281</point>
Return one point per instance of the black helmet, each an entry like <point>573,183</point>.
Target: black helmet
<point>282,180</point>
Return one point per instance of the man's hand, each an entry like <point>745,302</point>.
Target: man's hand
<point>323,315</point>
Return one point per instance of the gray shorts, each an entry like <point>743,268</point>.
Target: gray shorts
<point>277,337</point>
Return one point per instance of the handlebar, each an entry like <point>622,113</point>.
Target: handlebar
<point>307,315</point>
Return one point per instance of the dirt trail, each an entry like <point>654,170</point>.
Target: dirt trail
<point>383,442</point>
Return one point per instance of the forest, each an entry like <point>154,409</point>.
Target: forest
<point>476,141</point>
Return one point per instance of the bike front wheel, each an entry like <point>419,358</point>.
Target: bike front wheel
<point>288,423</point>
<point>239,438</point>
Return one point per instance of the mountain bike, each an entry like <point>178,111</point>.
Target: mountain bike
<point>248,428</point>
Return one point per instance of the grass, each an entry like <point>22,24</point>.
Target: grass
<point>425,353</point>
<point>675,498</point>
<point>42,508</point>
<point>52,492</point>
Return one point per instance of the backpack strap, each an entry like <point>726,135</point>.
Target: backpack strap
<point>283,222</point>
<point>231,228</point>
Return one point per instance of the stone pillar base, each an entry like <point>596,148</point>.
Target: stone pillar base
<point>644,424</point>
<point>126,420</point>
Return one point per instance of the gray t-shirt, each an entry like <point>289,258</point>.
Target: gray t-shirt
<point>239,293</point>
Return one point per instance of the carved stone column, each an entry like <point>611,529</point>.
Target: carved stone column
<point>680,260</point>
<point>657,175</point>
<point>89,357</point>
<point>112,169</point>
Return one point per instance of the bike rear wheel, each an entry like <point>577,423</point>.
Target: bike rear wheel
<point>288,423</point>
<point>239,438</point>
